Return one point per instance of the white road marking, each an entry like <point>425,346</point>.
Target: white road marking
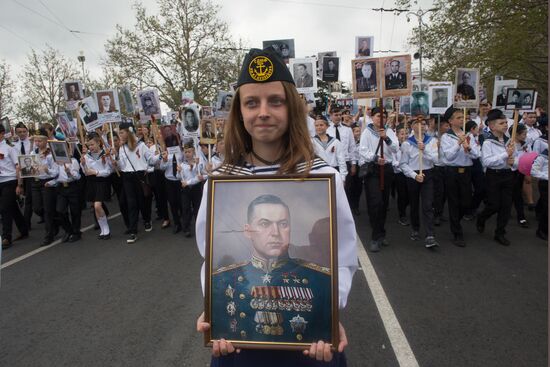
<point>40,249</point>
<point>401,347</point>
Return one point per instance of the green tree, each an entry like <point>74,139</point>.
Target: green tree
<point>41,84</point>
<point>500,37</point>
<point>7,89</point>
<point>184,47</point>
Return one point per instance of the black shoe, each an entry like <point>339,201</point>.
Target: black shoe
<point>104,236</point>
<point>384,242</point>
<point>177,229</point>
<point>541,235</point>
<point>480,225</point>
<point>403,221</point>
<point>502,240</point>
<point>437,221</point>
<point>430,242</point>
<point>415,236</point>
<point>459,241</point>
<point>66,237</point>
<point>523,223</point>
<point>468,217</point>
<point>46,242</point>
<point>75,237</point>
<point>374,246</point>
<point>6,244</point>
<point>132,238</point>
<point>148,227</point>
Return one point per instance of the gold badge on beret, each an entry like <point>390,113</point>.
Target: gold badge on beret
<point>260,68</point>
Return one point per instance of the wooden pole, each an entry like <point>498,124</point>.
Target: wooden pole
<point>464,121</point>
<point>515,126</point>
<point>113,146</point>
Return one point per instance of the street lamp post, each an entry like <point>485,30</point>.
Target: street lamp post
<point>81,59</point>
<point>419,14</point>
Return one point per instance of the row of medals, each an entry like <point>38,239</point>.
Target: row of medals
<point>281,304</point>
<point>269,323</point>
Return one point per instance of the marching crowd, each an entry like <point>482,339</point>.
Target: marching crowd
<point>423,161</point>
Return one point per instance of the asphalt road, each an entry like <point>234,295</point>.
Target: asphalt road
<point>106,303</point>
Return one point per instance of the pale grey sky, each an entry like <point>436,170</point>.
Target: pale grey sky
<point>315,27</point>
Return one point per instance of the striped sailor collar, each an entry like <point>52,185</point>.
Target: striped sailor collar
<point>248,169</point>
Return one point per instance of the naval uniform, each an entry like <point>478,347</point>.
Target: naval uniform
<point>331,152</point>
<point>68,198</point>
<point>172,186</point>
<point>539,170</point>
<point>191,194</point>
<point>478,175</point>
<point>8,199</point>
<point>355,184</point>
<point>400,183</point>
<point>500,182</point>
<point>371,148</point>
<point>517,192</point>
<point>458,182</point>
<point>347,258</point>
<point>344,134</point>
<point>24,147</point>
<point>98,187</point>
<point>439,185</point>
<point>44,197</point>
<point>540,144</point>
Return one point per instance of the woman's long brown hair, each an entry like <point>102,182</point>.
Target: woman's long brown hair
<point>296,148</point>
<point>131,141</point>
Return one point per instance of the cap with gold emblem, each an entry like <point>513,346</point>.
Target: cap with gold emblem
<point>263,66</point>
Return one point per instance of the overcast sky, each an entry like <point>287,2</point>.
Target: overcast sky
<point>314,26</point>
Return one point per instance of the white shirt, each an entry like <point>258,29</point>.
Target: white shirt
<point>310,126</point>
<point>8,161</point>
<point>540,144</point>
<point>26,143</point>
<point>532,134</point>
<point>168,168</point>
<point>494,154</point>
<point>347,240</point>
<point>369,144</point>
<point>52,168</point>
<point>540,167</point>
<point>140,158</point>
<point>64,176</point>
<point>410,156</point>
<point>332,153</point>
<point>454,154</point>
<point>346,138</point>
<point>95,163</point>
<point>191,174</point>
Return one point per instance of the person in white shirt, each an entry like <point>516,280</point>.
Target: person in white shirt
<point>169,165</point>
<point>328,148</point>
<point>24,146</point>
<point>218,157</point>
<point>539,170</point>
<point>376,150</point>
<point>345,136</point>
<point>192,173</point>
<point>133,160</point>
<point>419,173</point>
<point>355,182</point>
<point>533,134</point>
<point>478,174</point>
<point>520,148</point>
<point>401,188</point>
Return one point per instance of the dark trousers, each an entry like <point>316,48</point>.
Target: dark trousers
<point>190,202</point>
<point>458,186</point>
<point>10,211</point>
<point>148,195</point>
<point>499,198</point>
<point>542,206</point>
<point>377,200</point>
<point>133,187</point>
<point>425,192</point>
<point>517,194</point>
<point>402,194</point>
<point>439,190</point>
<point>173,193</point>
<point>44,201</point>
<point>68,201</point>
<point>27,186</point>
<point>478,182</point>
<point>161,199</point>
<point>354,190</point>
<point>116,182</point>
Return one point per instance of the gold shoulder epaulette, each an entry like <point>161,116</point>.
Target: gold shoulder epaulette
<point>313,266</point>
<point>229,267</point>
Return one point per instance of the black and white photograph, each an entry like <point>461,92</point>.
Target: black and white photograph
<point>284,48</point>
<point>29,165</point>
<point>483,96</point>
<point>72,91</point>
<point>419,104</point>
<point>171,117</point>
<point>500,92</point>
<point>108,105</point>
<point>520,99</point>
<point>405,104</point>
<point>149,104</point>
<point>68,126</point>
<point>364,46</point>
<point>397,80</point>
<point>302,71</point>
<point>190,119</point>
<point>171,138</point>
<point>466,93</point>
<point>320,56</point>
<point>242,219</point>
<point>224,101</point>
<point>88,114</point>
<point>365,82</point>
<point>330,68</point>
<point>208,132</point>
<point>440,96</point>
<point>60,151</point>
<point>5,121</point>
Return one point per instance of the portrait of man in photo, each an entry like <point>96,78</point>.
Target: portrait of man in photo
<point>73,92</point>
<point>302,77</point>
<point>366,77</point>
<point>106,102</point>
<point>439,97</point>
<point>466,88</point>
<point>394,78</point>
<point>88,115</point>
<point>330,69</point>
<point>190,120</point>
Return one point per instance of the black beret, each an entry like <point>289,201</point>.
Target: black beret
<point>376,110</point>
<point>263,66</point>
<point>449,113</point>
<point>125,125</point>
<point>495,114</point>
<point>543,120</point>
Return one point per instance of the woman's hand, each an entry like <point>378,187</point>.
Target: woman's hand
<point>219,347</point>
<point>321,350</point>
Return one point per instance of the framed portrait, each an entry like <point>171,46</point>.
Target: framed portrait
<point>330,68</point>
<point>207,112</point>
<point>171,138</point>
<point>320,56</point>
<point>440,96</point>
<point>172,117</point>
<point>29,165</point>
<point>364,46</point>
<point>388,104</point>
<point>365,78</point>
<point>88,114</point>
<point>73,92</point>
<point>405,104</point>
<point>108,106</point>
<point>284,48</point>
<point>271,261</point>
<point>520,99</point>
<point>466,93</point>
<point>208,132</point>
<point>500,92</point>
<point>68,126</point>
<point>532,109</point>
<point>224,100</point>
<point>396,71</point>
<point>60,151</point>
<point>419,104</point>
<point>483,96</point>
<point>127,99</point>
<point>220,126</point>
<point>5,121</point>
<point>302,72</point>
<point>149,104</point>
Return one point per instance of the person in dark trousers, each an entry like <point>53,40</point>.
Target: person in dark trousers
<point>24,147</point>
<point>439,177</point>
<point>497,156</point>
<point>172,186</point>
<point>478,176</point>
<point>192,173</point>
<point>355,182</point>
<point>539,170</point>
<point>400,181</point>
<point>116,182</point>
<point>520,148</point>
